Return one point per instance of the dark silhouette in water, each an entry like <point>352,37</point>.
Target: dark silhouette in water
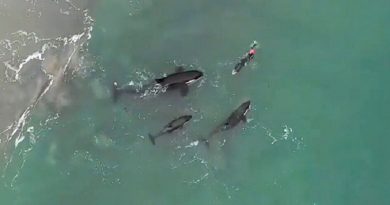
<point>235,117</point>
<point>178,80</point>
<point>245,59</point>
<point>175,124</point>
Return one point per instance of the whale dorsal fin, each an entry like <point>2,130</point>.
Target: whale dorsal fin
<point>115,91</point>
<point>179,69</point>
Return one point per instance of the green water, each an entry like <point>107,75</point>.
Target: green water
<point>317,132</point>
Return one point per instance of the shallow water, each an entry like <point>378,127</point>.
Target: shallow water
<point>316,132</point>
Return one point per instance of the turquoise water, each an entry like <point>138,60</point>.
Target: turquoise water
<point>317,132</point>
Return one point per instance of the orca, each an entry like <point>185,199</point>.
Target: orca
<point>175,124</point>
<point>180,80</point>
<point>233,120</point>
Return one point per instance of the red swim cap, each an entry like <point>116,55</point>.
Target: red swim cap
<point>252,52</point>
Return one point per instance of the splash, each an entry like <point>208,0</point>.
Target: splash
<point>191,155</point>
<point>75,42</point>
<point>192,144</point>
<point>286,135</point>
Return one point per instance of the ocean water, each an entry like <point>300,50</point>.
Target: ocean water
<point>317,131</point>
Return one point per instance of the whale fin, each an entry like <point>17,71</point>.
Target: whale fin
<point>179,69</point>
<point>159,80</point>
<point>115,91</point>
<point>184,89</point>
<point>152,139</point>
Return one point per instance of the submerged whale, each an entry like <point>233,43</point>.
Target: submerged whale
<point>181,79</point>
<point>175,124</point>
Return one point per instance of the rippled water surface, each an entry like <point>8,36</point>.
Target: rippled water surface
<point>316,132</point>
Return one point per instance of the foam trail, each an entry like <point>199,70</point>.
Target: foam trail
<point>9,49</point>
<point>34,56</point>
<point>17,127</point>
<point>19,124</point>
